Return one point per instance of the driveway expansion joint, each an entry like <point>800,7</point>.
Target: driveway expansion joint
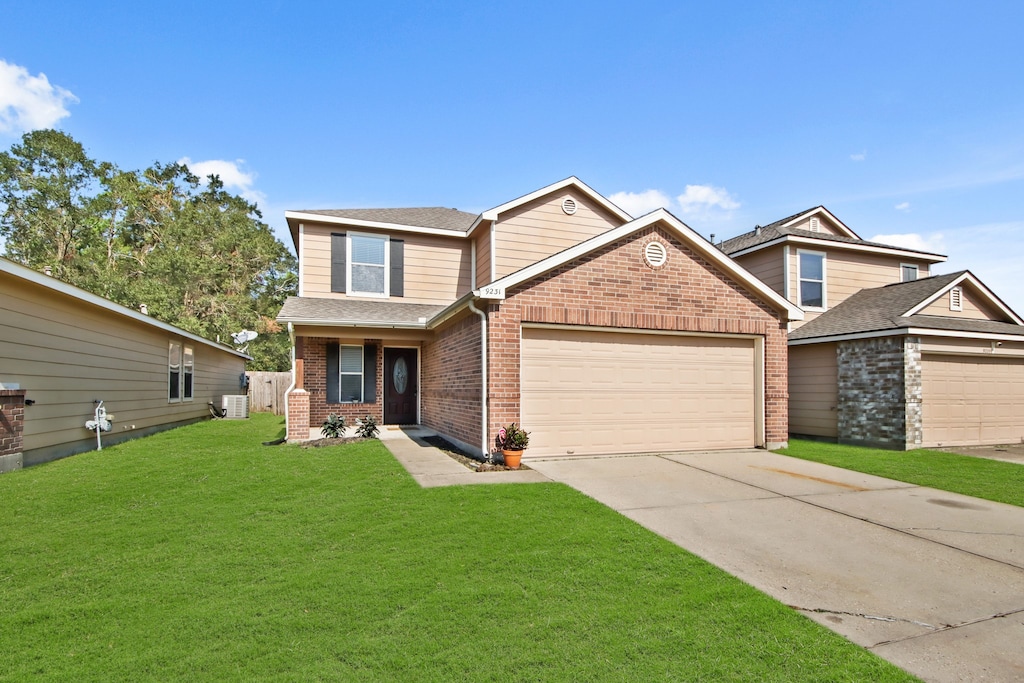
<point>951,627</point>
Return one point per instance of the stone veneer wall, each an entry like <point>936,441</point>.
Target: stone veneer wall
<point>12,428</point>
<point>879,382</point>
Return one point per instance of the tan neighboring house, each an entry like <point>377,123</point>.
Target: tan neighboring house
<point>63,349</point>
<point>598,332</point>
<point>888,355</point>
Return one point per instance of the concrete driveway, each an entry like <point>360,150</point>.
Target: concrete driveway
<point>929,580</point>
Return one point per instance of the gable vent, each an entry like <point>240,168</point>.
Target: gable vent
<point>815,225</point>
<point>655,254</point>
<point>569,205</point>
<point>956,299</point>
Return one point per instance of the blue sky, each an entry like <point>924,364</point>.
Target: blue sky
<point>903,118</point>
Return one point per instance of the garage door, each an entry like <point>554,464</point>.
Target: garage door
<point>587,393</point>
<point>972,400</point>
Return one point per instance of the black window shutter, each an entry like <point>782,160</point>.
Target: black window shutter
<point>370,373</point>
<point>397,267</point>
<point>333,374</point>
<point>337,262</point>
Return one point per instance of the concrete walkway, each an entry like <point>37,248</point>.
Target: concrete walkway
<point>929,580</point>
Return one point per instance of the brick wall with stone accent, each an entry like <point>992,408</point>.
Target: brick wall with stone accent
<point>614,287</point>
<point>879,383</point>
<point>450,395</point>
<point>12,428</point>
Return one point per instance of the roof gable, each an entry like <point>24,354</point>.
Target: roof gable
<point>683,232</point>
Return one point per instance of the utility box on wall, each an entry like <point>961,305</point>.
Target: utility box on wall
<point>235,407</point>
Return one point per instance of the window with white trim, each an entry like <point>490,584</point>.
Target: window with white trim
<point>174,372</point>
<point>350,368</point>
<point>188,365</point>
<point>908,272</point>
<point>811,267</point>
<point>367,265</point>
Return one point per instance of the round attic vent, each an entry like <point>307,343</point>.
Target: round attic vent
<point>569,205</point>
<point>655,254</point>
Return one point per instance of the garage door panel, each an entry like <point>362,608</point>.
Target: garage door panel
<point>586,392</point>
<point>972,400</point>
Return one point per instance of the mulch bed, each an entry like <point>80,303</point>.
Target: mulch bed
<point>320,443</point>
<point>460,456</point>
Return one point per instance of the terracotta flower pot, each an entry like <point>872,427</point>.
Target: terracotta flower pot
<point>512,458</point>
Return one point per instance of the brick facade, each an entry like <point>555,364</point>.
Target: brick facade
<point>879,384</point>
<point>613,287</point>
<point>12,428</point>
<point>450,370</point>
<point>314,354</point>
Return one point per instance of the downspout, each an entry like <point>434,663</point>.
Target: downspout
<point>288,391</point>
<point>484,450</point>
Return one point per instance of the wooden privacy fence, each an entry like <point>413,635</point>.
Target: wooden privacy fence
<point>266,391</point>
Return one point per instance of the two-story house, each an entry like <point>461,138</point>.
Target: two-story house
<point>887,354</point>
<point>598,332</point>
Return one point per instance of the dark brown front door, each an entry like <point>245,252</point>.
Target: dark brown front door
<point>400,386</point>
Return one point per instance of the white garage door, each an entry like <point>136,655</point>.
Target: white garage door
<point>971,400</point>
<point>587,393</point>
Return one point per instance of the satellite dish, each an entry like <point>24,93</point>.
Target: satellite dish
<point>244,336</point>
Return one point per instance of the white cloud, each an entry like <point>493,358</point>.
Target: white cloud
<point>701,198</point>
<point>230,173</point>
<point>902,206</point>
<point>934,243</point>
<point>30,102</point>
<point>860,156</point>
<point>639,203</point>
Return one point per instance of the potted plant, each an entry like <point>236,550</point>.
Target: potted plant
<point>512,441</point>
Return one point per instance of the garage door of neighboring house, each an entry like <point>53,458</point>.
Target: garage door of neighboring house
<point>972,400</point>
<point>596,392</point>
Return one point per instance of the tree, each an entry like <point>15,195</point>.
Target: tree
<point>198,256</point>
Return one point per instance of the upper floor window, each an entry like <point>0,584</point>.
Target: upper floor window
<point>367,265</point>
<point>908,272</point>
<point>811,266</point>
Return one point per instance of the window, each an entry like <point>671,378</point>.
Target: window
<point>368,265</point>
<point>956,299</point>
<point>351,371</point>
<point>174,372</point>
<point>180,371</point>
<point>908,272</point>
<point>812,279</point>
<point>188,368</point>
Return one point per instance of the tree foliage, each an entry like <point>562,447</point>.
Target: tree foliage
<point>196,255</point>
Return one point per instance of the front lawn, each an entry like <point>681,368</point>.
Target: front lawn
<point>199,554</point>
<point>1002,482</point>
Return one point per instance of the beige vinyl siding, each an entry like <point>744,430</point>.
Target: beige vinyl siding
<point>972,305</point>
<point>825,226</point>
<point>483,255</point>
<point>437,269</point>
<point>67,354</point>
<point>540,228</point>
<point>813,390</point>
<point>847,272</point>
<point>767,265</point>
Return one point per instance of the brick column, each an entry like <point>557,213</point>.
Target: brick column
<point>12,428</point>
<point>298,415</point>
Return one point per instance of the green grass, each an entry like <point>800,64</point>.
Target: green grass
<point>1002,482</point>
<point>198,554</point>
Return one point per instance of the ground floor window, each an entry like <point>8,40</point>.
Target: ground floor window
<point>180,372</point>
<point>351,373</point>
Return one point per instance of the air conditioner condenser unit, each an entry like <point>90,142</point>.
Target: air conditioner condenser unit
<point>235,407</point>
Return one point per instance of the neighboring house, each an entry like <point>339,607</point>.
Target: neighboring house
<point>599,333</point>
<point>62,349</point>
<point>887,355</point>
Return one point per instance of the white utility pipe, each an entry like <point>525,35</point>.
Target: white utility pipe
<point>484,449</point>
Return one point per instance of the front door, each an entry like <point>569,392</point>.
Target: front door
<point>400,386</point>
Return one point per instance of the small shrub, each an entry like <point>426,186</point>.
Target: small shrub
<point>367,428</point>
<point>333,427</point>
<point>512,438</point>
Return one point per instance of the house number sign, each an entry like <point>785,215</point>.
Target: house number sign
<point>492,293</point>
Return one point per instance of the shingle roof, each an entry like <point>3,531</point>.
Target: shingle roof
<point>424,217</point>
<point>367,313</point>
<point>774,232</point>
<point>882,308</point>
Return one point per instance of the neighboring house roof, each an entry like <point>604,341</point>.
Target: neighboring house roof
<point>352,312</point>
<point>425,217</point>
<point>20,271</point>
<point>892,309</point>
<point>780,231</point>
<point>683,231</point>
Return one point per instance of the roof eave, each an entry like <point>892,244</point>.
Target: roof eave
<point>306,217</point>
<point>800,239</point>
<point>908,331</point>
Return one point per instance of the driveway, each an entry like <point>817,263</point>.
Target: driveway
<point>929,580</point>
